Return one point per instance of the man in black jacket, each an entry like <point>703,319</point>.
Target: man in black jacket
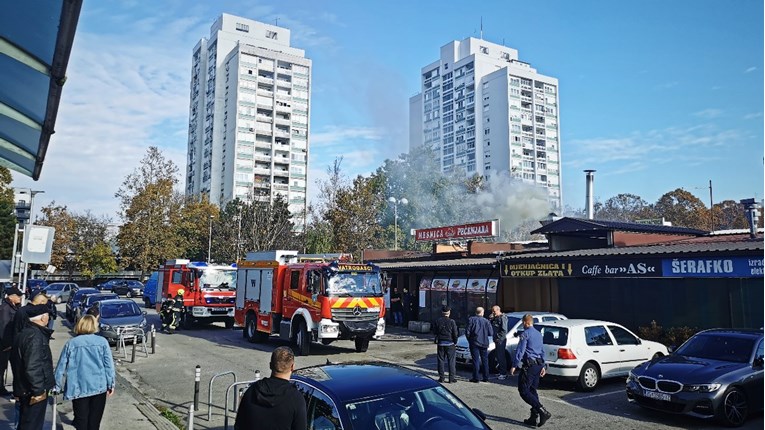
<point>446,339</point>
<point>32,363</point>
<point>274,403</point>
<point>478,333</point>
<point>8,308</point>
<point>499,325</point>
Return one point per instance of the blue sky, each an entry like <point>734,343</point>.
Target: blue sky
<point>654,95</point>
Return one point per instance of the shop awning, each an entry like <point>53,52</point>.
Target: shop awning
<point>36,39</point>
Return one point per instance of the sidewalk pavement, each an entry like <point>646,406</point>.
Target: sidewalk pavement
<point>125,409</point>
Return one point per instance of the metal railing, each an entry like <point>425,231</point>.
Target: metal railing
<point>209,392</point>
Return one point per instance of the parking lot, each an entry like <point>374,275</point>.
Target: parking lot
<point>168,378</point>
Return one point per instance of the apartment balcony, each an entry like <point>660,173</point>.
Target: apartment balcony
<point>262,157</point>
<point>282,173</point>
<point>281,187</point>
<point>261,171</point>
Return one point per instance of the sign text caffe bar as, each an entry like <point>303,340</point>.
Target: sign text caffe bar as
<point>690,284</point>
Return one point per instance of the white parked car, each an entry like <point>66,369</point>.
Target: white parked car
<point>514,327</point>
<point>586,351</point>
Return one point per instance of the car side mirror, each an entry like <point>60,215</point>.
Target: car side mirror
<point>517,333</point>
<point>639,341</point>
<point>671,349</point>
<point>758,362</point>
<point>480,414</point>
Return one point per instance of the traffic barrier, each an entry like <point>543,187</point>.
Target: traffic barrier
<point>197,374</point>
<point>136,334</point>
<point>209,392</point>
<point>190,422</point>
<point>228,390</point>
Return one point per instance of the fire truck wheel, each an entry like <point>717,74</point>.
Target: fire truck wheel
<point>302,341</point>
<point>187,321</point>
<point>362,344</point>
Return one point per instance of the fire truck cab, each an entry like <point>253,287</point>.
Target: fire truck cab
<point>304,299</point>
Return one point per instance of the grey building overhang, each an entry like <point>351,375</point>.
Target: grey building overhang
<point>36,38</point>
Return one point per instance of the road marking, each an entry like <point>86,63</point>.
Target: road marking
<point>598,395</point>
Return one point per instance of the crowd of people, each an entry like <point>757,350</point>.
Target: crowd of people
<point>84,372</point>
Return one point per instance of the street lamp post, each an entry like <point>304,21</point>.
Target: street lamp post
<point>395,202</point>
<point>209,240</point>
<point>238,233</point>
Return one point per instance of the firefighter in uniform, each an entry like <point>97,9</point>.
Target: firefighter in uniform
<point>166,311</point>
<point>529,359</point>
<point>178,309</point>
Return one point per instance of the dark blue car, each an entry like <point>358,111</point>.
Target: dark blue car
<point>381,396</point>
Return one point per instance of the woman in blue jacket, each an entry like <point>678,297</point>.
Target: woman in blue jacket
<point>85,370</point>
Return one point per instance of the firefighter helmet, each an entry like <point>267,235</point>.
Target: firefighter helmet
<point>180,291</point>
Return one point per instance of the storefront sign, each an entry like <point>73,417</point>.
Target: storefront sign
<point>458,232</point>
<point>579,269</point>
<point>731,267</point>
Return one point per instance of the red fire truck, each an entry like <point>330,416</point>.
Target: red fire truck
<point>208,290</point>
<point>305,299</point>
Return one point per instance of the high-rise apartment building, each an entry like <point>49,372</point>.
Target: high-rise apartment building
<point>249,116</point>
<point>485,112</point>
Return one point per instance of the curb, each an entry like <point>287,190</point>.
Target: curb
<point>145,406</point>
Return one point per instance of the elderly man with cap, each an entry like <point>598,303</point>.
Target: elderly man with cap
<point>8,308</point>
<point>32,363</point>
<point>446,339</point>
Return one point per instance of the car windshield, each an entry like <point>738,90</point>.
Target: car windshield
<point>435,406</point>
<point>118,310</point>
<point>354,284</point>
<point>93,299</point>
<point>217,278</point>
<point>716,346</point>
<point>55,287</point>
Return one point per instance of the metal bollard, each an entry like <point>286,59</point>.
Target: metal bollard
<point>197,374</point>
<point>132,355</point>
<point>153,339</point>
<point>190,422</point>
<point>257,375</point>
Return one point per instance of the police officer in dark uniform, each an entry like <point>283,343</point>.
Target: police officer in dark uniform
<point>446,339</point>
<point>529,359</point>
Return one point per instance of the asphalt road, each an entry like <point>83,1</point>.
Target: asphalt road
<point>168,378</point>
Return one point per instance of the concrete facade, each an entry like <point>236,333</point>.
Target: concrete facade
<point>485,112</point>
<point>249,116</point>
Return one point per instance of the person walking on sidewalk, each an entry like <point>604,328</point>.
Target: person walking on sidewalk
<point>499,325</point>
<point>446,339</point>
<point>529,358</point>
<point>85,373</point>
<point>32,364</point>
<point>478,333</point>
<point>8,309</point>
<point>274,403</point>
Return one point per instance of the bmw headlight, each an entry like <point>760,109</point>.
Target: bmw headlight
<point>701,388</point>
<point>631,377</point>
<point>143,323</point>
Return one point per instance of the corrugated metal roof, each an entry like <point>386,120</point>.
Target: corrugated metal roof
<point>36,38</point>
<point>568,225</point>
<point>698,245</point>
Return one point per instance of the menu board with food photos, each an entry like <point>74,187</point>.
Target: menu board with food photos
<point>423,291</point>
<point>457,284</point>
<point>476,285</point>
<point>491,286</point>
<point>439,284</point>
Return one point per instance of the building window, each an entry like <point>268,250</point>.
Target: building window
<point>271,35</point>
<point>242,27</point>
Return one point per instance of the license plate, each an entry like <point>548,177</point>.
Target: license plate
<point>656,395</point>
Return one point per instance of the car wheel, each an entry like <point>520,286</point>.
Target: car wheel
<point>302,341</point>
<point>589,377</point>
<point>187,321</point>
<point>146,303</point>
<point>734,408</point>
<point>657,355</point>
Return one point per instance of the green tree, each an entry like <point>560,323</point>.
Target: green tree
<point>7,214</point>
<point>683,209</point>
<point>191,227</point>
<point>624,207</point>
<point>97,259</point>
<point>729,214</point>
<point>63,254</point>
<point>149,209</point>
<point>355,219</point>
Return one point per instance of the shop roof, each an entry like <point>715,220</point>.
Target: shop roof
<point>687,246</point>
<point>573,225</point>
<point>36,38</point>
<point>457,263</point>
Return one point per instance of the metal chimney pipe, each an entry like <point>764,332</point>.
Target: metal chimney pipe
<point>589,205</point>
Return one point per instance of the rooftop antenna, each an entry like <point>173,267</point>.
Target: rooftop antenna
<point>277,21</point>
<point>481,27</point>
